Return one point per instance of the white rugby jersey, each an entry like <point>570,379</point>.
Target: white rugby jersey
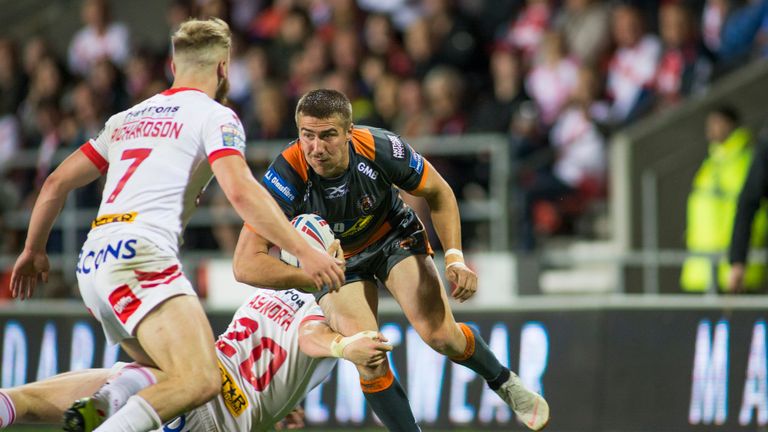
<point>157,158</point>
<point>265,374</point>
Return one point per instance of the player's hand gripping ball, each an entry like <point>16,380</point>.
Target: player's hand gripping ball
<point>315,231</point>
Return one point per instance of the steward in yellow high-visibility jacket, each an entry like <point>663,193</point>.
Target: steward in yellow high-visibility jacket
<point>712,206</point>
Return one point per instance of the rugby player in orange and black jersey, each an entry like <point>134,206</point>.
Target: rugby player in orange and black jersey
<point>376,228</point>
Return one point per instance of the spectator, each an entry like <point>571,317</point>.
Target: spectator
<point>453,36</point>
<point>46,85</point>
<point>494,109</point>
<point>633,66</point>
<point>712,205</point>
<point>413,119</point>
<point>272,118</point>
<point>294,30</point>
<point>741,25</point>
<point>444,89</point>
<point>681,68</point>
<point>98,39</point>
<point>11,78</point>
<point>385,102</point>
<point>579,159</point>
<point>527,30</point>
<point>106,81</point>
<point>380,40</point>
<point>552,78</point>
<point>585,25</point>
<point>419,46</point>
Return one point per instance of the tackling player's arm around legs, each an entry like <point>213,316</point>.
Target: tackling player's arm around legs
<point>46,401</point>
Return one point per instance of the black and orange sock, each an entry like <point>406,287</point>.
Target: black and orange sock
<point>478,357</point>
<point>390,403</point>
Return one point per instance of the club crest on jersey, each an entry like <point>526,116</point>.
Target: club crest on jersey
<point>231,136</point>
<point>398,149</point>
<point>336,191</point>
<point>366,203</point>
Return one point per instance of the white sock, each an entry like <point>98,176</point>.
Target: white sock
<point>136,416</point>
<point>131,379</point>
<point>7,411</point>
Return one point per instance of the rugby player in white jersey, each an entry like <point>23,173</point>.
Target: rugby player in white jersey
<point>158,157</point>
<point>270,357</point>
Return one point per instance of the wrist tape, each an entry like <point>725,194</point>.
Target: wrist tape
<point>340,342</point>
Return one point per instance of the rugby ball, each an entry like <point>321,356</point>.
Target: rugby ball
<point>315,231</point>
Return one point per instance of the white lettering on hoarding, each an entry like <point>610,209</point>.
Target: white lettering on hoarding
<point>83,344</point>
<point>425,377</point>
<point>709,392</point>
<point>755,386</point>
<point>47,366</point>
<point>350,403</point>
<point>492,407</point>
<point>534,351</point>
<point>14,367</point>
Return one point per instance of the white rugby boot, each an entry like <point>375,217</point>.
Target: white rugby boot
<point>531,409</point>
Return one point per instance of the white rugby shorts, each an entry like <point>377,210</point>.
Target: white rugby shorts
<point>122,278</point>
<point>197,420</point>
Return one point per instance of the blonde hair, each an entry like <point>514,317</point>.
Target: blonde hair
<point>201,43</point>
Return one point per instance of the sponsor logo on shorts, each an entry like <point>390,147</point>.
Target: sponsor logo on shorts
<point>278,185</point>
<point>112,218</point>
<point>334,192</point>
<point>88,260</point>
<point>124,302</point>
<point>368,171</point>
<point>232,136</point>
<point>234,398</point>
<point>398,148</point>
<point>416,162</point>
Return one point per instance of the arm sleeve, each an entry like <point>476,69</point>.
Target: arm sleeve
<point>97,149</point>
<point>285,186</point>
<point>223,135</point>
<point>404,166</point>
<point>755,188</point>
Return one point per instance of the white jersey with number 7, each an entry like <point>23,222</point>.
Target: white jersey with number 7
<point>157,158</point>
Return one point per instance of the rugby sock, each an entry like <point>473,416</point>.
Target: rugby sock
<point>388,400</point>
<point>7,411</point>
<point>131,379</point>
<point>137,415</point>
<point>477,356</point>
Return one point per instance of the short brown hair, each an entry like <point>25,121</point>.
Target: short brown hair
<point>324,104</point>
<point>201,42</point>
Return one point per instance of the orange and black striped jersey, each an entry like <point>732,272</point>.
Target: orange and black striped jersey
<point>361,205</point>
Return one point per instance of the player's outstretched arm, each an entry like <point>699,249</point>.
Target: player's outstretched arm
<point>76,171</point>
<point>316,339</point>
<point>258,209</point>
<point>445,218</point>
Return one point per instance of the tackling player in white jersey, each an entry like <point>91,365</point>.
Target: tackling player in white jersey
<point>158,156</point>
<point>270,357</point>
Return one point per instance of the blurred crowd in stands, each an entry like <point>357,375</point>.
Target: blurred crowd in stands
<point>556,77</point>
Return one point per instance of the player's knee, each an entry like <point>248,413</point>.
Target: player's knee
<point>441,341</point>
<point>205,386</point>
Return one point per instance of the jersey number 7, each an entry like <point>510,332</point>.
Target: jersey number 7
<point>138,156</point>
